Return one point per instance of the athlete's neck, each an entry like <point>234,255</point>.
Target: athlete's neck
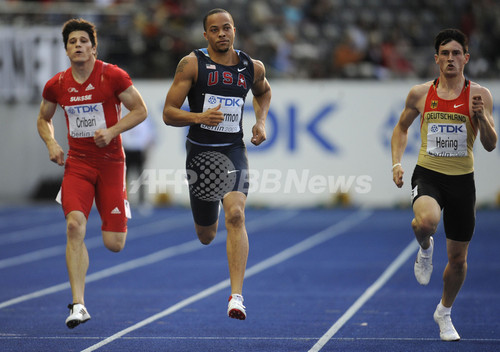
<point>228,58</point>
<point>450,87</point>
<point>81,71</point>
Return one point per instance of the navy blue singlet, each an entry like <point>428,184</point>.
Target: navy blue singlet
<point>225,85</point>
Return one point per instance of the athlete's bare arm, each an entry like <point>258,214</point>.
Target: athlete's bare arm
<point>185,77</point>
<point>482,108</point>
<point>132,100</point>
<point>413,107</point>
<point>46,131</point>
<point>261,91</point>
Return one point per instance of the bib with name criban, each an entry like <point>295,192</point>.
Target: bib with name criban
<point>84,120</point>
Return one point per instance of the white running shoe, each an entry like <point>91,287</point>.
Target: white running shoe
<point>235,307</point>
<point>77,315</point>
<point>447,331</point>
<point>423,265</point>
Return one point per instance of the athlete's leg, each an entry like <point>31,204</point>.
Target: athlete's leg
<point>111,202</point>
<point>77,195</point>
<point>206,218</point>
<point>237,239</point>
<point>427,216</point>
<point>114,241</point>
<point>206,234</point>
<point>77,257</point>
<point>455,271</point>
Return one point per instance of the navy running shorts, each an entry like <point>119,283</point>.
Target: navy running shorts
<point>212,172</point>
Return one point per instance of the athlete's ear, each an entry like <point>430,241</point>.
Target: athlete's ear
<point>467,57</point>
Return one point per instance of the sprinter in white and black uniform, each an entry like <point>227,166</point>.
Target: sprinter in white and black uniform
<point>216,81</point>
<point>452,110</point>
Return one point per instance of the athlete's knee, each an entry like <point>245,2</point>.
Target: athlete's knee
<point>457,262</point>
<point>114,241</point>
<point>115,246</point>
<point>206,234</point>
<point>235,217</point>
<point>75,227</point>
<point>425,224</point>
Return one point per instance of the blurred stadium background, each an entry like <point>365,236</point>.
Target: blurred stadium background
<point>340,71</point>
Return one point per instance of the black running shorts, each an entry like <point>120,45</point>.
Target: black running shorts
<point>455,194</point>
<point>212,172</point>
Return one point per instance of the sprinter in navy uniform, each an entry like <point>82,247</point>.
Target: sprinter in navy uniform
<point>216,81</point>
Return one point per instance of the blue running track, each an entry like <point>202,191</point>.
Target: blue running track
<point>317,280</point>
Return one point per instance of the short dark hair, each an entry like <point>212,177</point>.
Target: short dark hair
<point>213,12</point>
<point>449,34</point>
<point>79,25</point>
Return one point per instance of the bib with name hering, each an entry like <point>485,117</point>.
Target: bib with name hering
<point>447,133</point>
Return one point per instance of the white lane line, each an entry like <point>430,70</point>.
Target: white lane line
<point>155,257</point>
<point>55,229</point>
<point>386,275</point>
<point>96,241</point>
<point>294,250</point>
<point>5,337</point>
<point>41,231</point>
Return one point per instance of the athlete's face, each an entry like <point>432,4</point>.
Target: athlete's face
<point>79,47</point>
<point>220,32</point>
<point>451,59</point>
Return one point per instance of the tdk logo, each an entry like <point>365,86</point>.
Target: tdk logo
<point>447,129</point>
<point>83,109</point>
<point>228,101</point>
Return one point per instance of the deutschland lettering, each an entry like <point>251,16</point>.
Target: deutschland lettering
<point>445,116</point>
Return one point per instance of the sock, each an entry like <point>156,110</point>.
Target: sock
<point>425,252</point>
<point>237,296</point>
<point>442,310</point>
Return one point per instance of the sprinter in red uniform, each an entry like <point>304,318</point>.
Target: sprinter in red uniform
<point>452,110</point>
<point>91,93</point>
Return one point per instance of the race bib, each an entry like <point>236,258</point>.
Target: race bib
<point>231,107</point>
<point>85,119</point>
<point>447,140</point>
